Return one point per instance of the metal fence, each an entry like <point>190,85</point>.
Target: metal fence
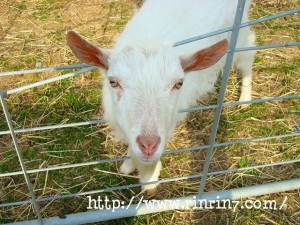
<point>141,208</point>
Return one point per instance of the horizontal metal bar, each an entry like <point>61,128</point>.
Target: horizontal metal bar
<point>243,141</point>
<point>58,126</point>
<point>240,103</point>
<point>199,37</point>
<point>184,203</point>
<point>69,166</point>
<point>89,68</point>
<point>94,122</point>
<point>50,80</point>
<point>40,70</point>
<point>141,184</point>
<point>167,152</point>
<point>249,23</point>
<point>272,17</point>
<point>291,44</point>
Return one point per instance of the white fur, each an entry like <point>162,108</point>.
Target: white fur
<point>147,66</point>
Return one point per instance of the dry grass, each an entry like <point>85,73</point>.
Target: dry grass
<point>32,33</point>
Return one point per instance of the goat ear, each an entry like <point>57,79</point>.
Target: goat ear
<point>204,58</point>
<point>87,52</point>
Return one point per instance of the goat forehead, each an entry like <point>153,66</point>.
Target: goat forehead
<point>145,63</point>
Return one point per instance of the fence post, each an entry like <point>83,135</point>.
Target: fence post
<point>225,77</point>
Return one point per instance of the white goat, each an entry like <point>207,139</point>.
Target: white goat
<point>146,80</point>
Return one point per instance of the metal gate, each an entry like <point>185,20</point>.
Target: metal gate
<point>183,202</point>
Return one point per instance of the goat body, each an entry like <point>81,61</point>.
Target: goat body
<point>147,80</point>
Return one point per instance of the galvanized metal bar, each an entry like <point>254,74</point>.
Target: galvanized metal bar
<point>69,166</point>
<point>50,80</point>
<point>243,141</point>
<point>166,180</point>
<point>197,38</point>
<point>20,157</point>
<point>291,44</point>
<point>95,122</point>
<point>52,127</point>
<point>187,202</point>
<point>225,77</point>
<point>166,152</point>
<point>249,23</point>
<point>40,70</point>
<point>198,108</point>
<point>272,17</point>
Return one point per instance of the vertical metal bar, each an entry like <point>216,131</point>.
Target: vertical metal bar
<point>225,77</point>
<point>17,147</point>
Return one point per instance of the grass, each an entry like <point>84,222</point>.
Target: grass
<point>41,41</point>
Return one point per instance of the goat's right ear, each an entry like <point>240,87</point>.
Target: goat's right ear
<point>87,52</point>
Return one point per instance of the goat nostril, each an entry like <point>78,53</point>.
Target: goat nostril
<point>148,144</point>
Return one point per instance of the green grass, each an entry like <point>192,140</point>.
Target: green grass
<point>47,9</point>
<point>244,162</point>
<point>20,6</point>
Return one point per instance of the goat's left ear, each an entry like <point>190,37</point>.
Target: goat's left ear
<point>204,58</point>
<point>87,52</point>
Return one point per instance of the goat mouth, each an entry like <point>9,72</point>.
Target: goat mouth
<point>144,158</point>
<point>148,159</point>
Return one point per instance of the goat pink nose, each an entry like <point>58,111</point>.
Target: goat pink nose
<point>148,144</point>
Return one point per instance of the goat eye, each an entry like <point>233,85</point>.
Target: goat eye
<point>114,83</point>
<point>178,85</point>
